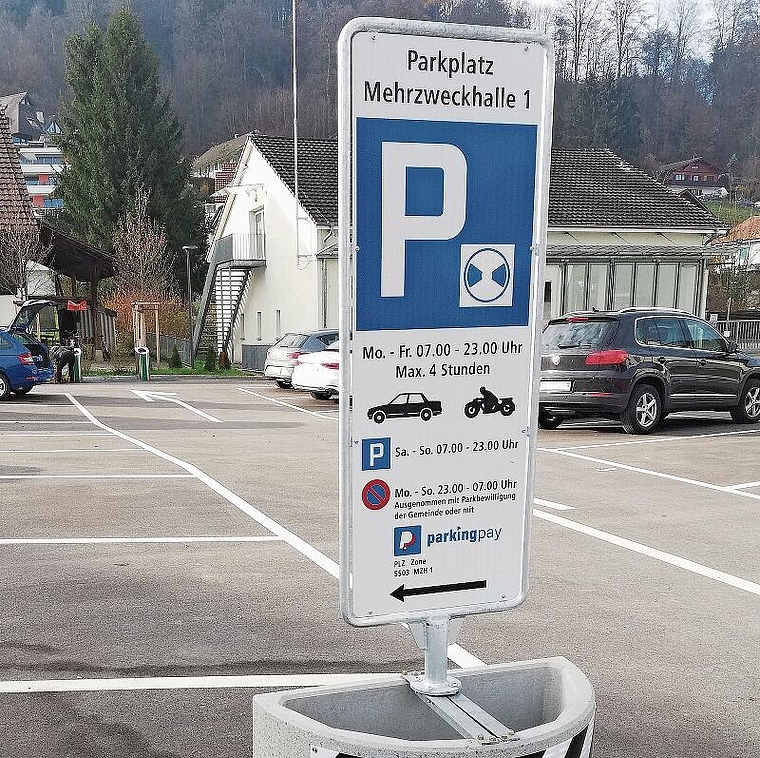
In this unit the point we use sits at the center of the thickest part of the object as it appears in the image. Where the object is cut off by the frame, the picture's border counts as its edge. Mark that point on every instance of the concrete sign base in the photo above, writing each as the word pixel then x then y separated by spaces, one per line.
pixel 548 706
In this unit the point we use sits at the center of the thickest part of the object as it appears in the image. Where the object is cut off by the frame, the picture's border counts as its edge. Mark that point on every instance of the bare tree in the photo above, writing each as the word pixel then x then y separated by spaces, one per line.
pixel 626 20
pixel 684 16
pixel 581 16
pixel 141 254
pixel 20 248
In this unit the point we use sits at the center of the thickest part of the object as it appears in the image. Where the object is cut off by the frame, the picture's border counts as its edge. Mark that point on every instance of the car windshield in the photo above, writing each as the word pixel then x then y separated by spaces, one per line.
pixel 563 335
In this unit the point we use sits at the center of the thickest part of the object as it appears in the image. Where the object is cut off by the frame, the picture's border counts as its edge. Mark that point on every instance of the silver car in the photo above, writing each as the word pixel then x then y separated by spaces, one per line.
pixel 282 356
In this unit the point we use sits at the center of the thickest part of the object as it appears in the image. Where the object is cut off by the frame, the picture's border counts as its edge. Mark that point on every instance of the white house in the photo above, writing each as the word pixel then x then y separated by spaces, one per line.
pixel 616 238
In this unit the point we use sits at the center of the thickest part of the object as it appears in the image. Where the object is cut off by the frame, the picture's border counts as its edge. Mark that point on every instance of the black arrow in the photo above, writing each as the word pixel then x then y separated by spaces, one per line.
pixel 401 592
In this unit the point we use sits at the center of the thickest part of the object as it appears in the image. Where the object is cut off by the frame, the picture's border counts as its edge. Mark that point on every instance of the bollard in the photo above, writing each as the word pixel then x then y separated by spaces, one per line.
pixel 77 377
pixel 142 355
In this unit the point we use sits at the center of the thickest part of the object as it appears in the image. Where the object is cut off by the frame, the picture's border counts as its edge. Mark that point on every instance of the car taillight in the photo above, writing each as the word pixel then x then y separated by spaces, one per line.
pixel 334 366
pixel 294 354
pixel 607 358
pixel 576 319
pixel 26 358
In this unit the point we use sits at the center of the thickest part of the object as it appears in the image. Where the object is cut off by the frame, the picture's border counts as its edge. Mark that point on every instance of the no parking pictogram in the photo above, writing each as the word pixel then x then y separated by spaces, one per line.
pixel 376 494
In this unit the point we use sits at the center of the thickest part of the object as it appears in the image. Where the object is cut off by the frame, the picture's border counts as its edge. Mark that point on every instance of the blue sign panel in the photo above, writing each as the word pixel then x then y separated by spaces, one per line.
pixel 444 216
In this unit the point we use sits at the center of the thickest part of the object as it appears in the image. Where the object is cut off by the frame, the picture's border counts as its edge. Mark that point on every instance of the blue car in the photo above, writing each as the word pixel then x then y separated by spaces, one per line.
pixel 24 362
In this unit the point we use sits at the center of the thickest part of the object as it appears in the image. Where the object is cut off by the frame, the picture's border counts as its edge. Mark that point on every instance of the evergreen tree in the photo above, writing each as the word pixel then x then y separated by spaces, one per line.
pixel 120 134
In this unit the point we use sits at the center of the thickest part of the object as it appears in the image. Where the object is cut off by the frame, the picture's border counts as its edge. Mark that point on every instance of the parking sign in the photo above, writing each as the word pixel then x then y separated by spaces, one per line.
pixel 444 155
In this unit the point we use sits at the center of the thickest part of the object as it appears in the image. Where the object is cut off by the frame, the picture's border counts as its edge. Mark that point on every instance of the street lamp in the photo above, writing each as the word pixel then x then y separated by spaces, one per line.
pixel 187 249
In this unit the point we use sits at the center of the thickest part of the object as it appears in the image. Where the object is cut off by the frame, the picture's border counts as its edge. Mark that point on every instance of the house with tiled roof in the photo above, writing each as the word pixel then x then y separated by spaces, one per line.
pixel 742 242
pixel 702 178
pixel 616 238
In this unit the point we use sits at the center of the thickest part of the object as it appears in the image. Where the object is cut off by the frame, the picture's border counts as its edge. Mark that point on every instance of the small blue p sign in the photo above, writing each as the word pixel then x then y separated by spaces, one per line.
pixel 376 454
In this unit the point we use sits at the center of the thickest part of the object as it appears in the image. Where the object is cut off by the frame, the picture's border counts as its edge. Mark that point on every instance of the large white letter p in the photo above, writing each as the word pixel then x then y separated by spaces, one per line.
pixel 397 227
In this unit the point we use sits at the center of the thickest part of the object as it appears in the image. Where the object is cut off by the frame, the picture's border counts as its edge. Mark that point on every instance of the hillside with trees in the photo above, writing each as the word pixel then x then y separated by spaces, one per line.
pixel 653 86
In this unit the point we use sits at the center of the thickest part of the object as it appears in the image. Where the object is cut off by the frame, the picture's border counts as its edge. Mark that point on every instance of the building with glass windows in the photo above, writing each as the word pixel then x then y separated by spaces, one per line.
pixel 618 238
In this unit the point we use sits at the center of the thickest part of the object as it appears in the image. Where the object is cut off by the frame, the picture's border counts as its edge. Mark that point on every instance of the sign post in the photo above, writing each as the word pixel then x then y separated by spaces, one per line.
pixel 444 159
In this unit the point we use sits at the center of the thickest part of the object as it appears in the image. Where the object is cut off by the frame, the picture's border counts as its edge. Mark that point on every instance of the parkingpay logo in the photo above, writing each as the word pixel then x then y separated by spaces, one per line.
pixel 463 535
pixel 407 540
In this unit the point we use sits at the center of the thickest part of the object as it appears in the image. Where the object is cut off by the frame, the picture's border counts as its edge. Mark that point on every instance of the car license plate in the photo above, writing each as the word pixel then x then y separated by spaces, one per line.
pixel 552 385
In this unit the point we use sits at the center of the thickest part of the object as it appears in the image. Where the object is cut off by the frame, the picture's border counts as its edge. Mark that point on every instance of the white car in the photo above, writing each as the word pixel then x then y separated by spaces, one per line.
pixel 318 373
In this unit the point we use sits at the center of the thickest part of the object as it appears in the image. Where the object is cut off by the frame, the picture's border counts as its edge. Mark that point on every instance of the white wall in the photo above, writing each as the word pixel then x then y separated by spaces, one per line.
pixel 293 287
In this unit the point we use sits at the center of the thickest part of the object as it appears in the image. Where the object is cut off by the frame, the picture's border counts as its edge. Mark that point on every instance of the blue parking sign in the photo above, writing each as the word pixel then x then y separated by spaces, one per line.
pixel 444 223
pixel 376 454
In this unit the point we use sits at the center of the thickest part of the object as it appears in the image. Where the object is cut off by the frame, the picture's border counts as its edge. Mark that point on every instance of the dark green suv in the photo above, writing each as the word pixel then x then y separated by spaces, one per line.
pixel 639 364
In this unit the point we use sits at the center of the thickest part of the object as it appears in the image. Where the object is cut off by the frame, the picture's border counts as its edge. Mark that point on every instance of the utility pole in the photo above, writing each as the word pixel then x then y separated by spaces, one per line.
pixel 188 249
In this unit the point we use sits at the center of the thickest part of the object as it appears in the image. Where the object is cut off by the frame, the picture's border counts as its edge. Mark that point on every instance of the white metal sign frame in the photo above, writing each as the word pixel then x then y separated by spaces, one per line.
pixel 457 60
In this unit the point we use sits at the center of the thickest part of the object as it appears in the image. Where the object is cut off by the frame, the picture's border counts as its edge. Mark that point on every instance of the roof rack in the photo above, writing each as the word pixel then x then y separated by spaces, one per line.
pixel 659 308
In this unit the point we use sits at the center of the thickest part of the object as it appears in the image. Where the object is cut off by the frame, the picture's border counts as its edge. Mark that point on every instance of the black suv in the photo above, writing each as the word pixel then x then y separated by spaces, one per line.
pixel 638 365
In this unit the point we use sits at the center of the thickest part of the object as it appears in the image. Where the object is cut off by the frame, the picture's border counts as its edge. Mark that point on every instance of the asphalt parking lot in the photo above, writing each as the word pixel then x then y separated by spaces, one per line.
pixel 167 557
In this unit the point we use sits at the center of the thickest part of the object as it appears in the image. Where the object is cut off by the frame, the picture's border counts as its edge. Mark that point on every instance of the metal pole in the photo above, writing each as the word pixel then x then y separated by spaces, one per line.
pixel 433 634
pixel 187 249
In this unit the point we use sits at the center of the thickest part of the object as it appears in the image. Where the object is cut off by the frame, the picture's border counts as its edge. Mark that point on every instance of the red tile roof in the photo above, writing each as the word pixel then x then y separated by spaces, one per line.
pixel 15 204
pixel 746 231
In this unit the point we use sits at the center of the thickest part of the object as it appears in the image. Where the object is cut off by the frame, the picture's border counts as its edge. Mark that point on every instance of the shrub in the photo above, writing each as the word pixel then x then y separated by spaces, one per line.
pixel 175 361
pixel 210 364
pixel 224 360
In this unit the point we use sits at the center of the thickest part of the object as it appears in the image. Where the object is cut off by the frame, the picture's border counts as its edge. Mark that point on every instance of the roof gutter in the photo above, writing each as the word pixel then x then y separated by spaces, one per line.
pixel 639 229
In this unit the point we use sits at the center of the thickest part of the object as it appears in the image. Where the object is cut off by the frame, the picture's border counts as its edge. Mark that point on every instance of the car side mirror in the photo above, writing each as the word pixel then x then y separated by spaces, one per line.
pixel 732 346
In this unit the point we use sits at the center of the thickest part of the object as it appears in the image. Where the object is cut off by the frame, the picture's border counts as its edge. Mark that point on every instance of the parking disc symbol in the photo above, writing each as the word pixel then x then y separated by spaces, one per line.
pixel 486 275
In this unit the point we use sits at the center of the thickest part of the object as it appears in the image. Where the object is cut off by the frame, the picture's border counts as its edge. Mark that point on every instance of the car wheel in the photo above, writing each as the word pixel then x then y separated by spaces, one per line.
pixel 319 395
pixel 748 410
pixel 5 387
pixel 21 392
pixel 644 411
pixel 426 414
pixel 378 417
pixel 548 421
pixel 282 384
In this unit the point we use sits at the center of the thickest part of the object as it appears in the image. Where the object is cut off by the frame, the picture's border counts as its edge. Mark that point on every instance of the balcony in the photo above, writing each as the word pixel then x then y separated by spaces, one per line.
pixel 240 249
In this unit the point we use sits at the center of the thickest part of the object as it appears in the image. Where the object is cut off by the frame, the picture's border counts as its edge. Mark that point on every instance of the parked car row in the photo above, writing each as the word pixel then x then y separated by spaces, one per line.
pixel 308 361
pixel 635 365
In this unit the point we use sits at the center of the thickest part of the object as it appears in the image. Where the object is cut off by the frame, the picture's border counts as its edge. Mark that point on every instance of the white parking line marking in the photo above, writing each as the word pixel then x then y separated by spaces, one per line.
pixel 651 440
pixel 648 472
pixel 287 405
pixel 74 450
pixel 167 396
pixel 55 434
pixel 748 485
pixel 186 682
pixel 38 421
pixel 308 551
pixel 552 504
pixel 636 547
pixel 96 476
pixel 128 540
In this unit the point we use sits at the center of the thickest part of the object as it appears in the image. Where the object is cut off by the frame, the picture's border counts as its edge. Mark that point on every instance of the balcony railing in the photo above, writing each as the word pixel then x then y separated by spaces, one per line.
pixel 240 248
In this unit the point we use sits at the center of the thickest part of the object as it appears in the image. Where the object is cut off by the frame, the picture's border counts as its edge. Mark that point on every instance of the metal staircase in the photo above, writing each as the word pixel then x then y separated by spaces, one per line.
pixel 233 260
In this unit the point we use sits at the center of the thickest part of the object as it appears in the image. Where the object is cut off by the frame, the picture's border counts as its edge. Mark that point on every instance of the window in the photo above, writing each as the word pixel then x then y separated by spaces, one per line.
pixel 644 290
pixel 704 337
pixel 277 322
pixel 258 325
pixel 687 287
pixel 622 295
pixel 5 344
pixel 662 330
pixel 666 285
pixel 258 252
pixel 575 287
pixel 695 177
pixel 679 177
pixel 597 286
pixel 399 400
